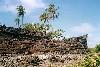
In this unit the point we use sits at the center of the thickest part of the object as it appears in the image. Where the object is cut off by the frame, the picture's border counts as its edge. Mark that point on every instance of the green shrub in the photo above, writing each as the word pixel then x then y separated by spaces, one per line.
pixel 97 48
pixel 91 60
pixel 91 50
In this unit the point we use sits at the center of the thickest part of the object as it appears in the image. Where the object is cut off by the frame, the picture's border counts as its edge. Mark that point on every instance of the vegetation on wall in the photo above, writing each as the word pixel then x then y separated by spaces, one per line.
pixel 44 25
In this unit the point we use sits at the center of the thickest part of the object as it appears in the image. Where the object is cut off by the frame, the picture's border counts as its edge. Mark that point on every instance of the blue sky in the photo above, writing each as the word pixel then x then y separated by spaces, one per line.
pixel 77 17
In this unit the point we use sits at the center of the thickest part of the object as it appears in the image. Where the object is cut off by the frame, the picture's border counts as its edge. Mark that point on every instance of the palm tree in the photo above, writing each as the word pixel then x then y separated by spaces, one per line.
pixel 17 20
pixel 21 12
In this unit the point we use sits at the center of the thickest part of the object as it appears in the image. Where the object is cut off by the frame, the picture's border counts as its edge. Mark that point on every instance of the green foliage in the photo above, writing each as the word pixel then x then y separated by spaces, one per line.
pixel 88 62
pixel 91 50
pixel 55 34
pixel 21 10
pixel 37 27
pixel 49 14
pixel 44 28
pixel 97 48
pixel 28 26
pixel 91 60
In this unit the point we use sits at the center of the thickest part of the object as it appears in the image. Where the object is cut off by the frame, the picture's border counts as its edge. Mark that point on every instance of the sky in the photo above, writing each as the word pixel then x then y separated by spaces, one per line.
pixel 77 17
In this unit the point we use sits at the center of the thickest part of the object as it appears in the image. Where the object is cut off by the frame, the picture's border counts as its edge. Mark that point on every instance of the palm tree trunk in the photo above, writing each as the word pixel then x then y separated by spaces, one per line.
pixel 22 19
pixel 18 24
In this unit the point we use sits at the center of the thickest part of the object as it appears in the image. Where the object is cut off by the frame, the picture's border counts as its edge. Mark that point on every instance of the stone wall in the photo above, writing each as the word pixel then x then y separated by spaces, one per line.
pixel 14 41
pixel 71 45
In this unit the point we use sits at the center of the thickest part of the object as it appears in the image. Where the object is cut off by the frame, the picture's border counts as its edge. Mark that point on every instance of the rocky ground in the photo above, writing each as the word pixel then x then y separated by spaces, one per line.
pixel 40 60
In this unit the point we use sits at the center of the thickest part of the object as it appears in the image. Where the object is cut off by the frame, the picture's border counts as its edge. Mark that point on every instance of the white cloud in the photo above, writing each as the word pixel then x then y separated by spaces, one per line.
pixel 32 4
pixel 28 4
pixel 93 39
pixel 83 28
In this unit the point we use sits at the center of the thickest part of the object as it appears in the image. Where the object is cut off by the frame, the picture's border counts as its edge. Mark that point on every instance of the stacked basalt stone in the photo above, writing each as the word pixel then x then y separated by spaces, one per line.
pixel 17 40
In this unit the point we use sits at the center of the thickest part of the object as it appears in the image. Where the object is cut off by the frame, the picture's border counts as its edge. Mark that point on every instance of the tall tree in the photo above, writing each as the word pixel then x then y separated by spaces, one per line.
pixel 21 12
pixel 49 14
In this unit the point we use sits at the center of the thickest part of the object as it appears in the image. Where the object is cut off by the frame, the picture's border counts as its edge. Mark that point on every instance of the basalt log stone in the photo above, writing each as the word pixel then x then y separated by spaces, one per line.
pixel 18 41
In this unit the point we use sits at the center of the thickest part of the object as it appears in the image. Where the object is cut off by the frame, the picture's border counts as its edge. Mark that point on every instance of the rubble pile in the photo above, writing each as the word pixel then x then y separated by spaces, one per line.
pixel 38 60
pixel 19 61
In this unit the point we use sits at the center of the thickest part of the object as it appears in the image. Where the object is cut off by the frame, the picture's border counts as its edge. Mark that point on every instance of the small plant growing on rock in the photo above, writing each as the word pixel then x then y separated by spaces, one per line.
pixel 36 61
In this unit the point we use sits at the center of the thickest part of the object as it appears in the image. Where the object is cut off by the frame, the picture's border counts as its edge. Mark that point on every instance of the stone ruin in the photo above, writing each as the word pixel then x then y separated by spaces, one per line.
pixel 19 41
